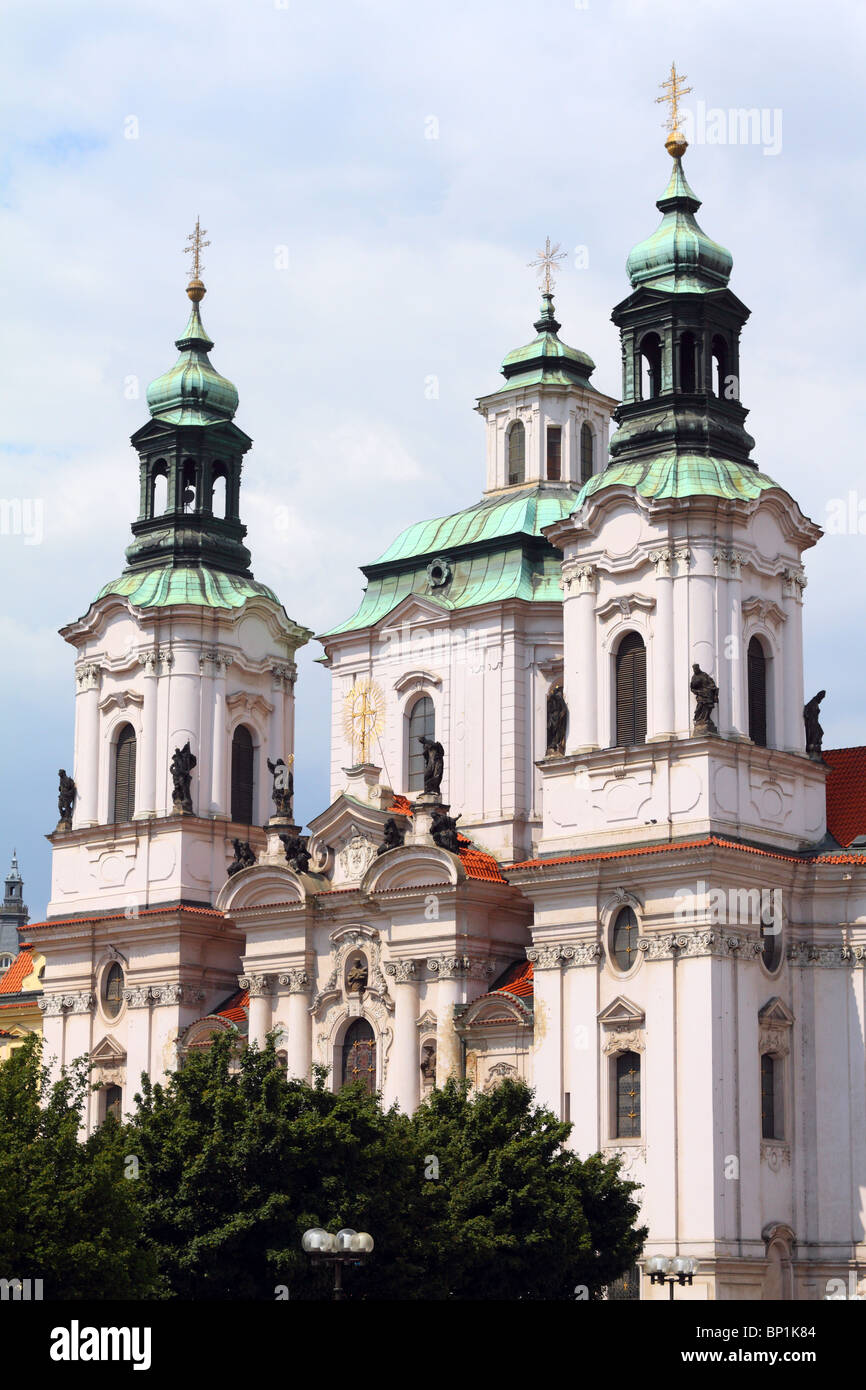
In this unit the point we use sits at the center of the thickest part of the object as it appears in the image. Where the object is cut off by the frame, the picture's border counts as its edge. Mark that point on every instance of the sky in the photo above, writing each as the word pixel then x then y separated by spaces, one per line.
pixel 374 179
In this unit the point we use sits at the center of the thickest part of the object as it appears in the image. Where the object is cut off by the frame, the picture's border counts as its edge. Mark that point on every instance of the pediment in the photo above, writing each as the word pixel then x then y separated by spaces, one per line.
pixel 342 829
pixel 417 679
pixel 413 866
pixel 622 1013
pixel 108 1050
pixel 419 608
pixel 262 885
pixel 774 1011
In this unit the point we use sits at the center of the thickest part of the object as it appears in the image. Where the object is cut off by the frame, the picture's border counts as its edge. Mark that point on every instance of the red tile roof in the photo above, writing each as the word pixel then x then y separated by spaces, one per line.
pixel 235 1008
pixel 17 973
pixel 402 805
pixel 517 979
pixel 477 864
pixel 846 793
pixel 119 916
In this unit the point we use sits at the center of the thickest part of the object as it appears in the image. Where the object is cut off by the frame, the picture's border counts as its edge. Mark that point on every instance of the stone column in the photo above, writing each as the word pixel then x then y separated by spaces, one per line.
pixel 449 972
pixel 788 702
pixel 300 1025
pixel 547 1058
pixel 663 654
pixel 259 987
pixel 185 716
pixel 146 754
pixel 165 660
pixel 580 642
pixel 403 1083
pixel 702 617
pixel 138 1029
pixel 86 810
pixel 219 795
pixel 739 710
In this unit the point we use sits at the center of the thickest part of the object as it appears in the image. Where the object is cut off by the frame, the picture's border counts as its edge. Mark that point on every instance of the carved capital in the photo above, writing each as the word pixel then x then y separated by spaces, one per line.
pixel 87 676
pixel 579 578
pixel 258 985
pixel 664 563
pixel 550 957
pixel 794 582
pixel 284 673
pixel 296 981
pixel 448 967
pixel 51 1005
pixel 176 994
pixel 403 972
pixel 138 998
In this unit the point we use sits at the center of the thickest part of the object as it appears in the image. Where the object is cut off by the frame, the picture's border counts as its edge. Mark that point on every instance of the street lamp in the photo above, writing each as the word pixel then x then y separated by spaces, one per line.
pixel 346 1247
pixel 680 1270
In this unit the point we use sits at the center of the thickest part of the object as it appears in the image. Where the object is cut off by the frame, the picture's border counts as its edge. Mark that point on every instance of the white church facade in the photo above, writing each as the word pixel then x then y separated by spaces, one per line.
pixel 607 871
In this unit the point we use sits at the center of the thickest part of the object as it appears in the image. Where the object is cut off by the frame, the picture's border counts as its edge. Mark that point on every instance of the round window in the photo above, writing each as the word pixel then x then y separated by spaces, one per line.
pixel 112 990
pixel 771 945
pixel 438 573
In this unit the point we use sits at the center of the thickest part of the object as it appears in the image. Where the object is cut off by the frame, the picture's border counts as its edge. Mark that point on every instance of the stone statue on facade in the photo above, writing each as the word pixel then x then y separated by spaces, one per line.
pixel 428 1063
pixel 557 720
pixel 65 799
pixel 443 828
pixel 814 732
pixel 394 837
pixel 434 764
pixel 284 787
pixel 182 763
pixel 706 694
pixel 244 857
pixel 297 855
pixel 356 980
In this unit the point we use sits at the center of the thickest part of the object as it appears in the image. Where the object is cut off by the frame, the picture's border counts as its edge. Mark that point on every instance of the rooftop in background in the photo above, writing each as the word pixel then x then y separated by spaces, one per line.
pixel 846 795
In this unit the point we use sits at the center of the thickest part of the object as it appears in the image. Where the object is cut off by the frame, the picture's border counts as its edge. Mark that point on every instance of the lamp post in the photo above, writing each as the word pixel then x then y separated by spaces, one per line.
pixel 662 1270
pixel 346 1247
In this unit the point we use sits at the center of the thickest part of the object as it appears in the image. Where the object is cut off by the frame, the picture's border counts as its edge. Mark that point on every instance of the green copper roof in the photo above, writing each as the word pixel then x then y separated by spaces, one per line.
pixel 679 255
pixel 168 585
pixel 681 475
pixel 546 359
pixel 486 547
pixel 192 392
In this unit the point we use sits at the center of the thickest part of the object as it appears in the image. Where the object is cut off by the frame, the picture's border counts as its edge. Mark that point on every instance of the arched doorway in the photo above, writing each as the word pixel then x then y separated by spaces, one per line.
pixel 359 1055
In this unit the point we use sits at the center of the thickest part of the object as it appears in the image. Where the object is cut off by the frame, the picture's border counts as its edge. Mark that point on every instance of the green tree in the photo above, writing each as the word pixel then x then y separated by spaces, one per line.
pixel 68 1214
pixel 237 1162
pixel 511 1213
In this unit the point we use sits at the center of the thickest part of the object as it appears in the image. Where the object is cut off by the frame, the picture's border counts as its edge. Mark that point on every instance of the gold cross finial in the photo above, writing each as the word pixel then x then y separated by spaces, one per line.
pixel 194 249
pixel 546 264
pixel 672 93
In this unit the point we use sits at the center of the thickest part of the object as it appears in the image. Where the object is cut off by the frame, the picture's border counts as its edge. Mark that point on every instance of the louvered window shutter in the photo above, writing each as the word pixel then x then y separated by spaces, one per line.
pixel 757 675
pixel 630 691
pixel 242 776
pixel 124 775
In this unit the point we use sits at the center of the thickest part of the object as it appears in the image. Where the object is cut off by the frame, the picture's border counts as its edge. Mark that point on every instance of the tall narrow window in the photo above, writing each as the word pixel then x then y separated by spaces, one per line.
pixel 124 774
pixel 422 724
pixel 720 369
pixel 359 1055
pixel 630 691
pixel 687 362
pixel 219 491
pixel 651 366
pixel 554 453
pixel 627 1095
pixel 586 452
pixel 757 678
pixel 159 488
pixel 189 480
pixel 516 453
pixel 624 938
pixel 771 1100
pixel 112 991
pixel 242 776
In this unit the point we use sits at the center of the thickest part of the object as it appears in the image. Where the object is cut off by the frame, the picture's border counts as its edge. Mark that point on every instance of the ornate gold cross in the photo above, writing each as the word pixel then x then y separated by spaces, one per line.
pixel 196 242
pixel 546 263
pixel 673 92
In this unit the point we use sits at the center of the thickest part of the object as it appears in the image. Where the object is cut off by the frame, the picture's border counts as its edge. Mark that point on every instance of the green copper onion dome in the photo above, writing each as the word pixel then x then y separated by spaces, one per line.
pixel 546 359
pixel 193 392
pixel 679 255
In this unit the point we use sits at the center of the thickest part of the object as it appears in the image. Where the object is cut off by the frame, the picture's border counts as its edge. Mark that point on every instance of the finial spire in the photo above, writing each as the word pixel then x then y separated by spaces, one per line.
pixel 195 289
pixel 676 143
pixel 545 264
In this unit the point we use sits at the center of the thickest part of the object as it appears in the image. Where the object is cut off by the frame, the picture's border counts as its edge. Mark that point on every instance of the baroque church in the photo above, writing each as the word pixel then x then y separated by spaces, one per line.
pixel 580 831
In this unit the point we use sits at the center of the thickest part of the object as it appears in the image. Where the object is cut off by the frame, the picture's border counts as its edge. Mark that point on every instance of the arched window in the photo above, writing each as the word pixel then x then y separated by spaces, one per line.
pixel 242 776
pixel 688 350
pixel 720 366
pixel 627 1095
pixel 623 938
pixel 516 453
pixel 586 452
pixel 651 366
pixel 757 677
pixel 5 962
pixel 188 485
pixel 771 1097
pixel 359 1055
pixel 422 724
pixel 630 691
pixel 159 488
pixel 112 990
pixel 124 774
pixel 114 1103
pixel 554 453
pixel 219 491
